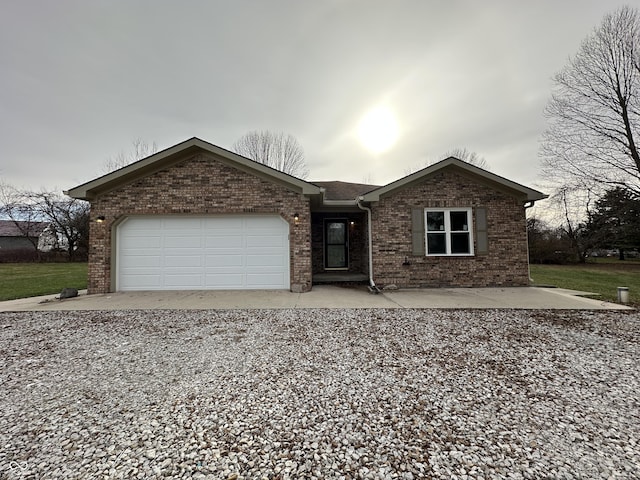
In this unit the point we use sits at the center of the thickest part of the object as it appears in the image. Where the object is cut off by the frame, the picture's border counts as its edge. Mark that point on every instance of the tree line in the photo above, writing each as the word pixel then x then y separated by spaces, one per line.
pixel 611 228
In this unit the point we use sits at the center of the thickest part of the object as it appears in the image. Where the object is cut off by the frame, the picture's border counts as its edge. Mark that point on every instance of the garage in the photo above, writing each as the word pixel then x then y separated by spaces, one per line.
pixel 174 252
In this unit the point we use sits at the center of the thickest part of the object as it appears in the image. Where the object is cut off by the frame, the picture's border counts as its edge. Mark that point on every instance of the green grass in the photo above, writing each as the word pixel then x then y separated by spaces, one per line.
pixel 602 278
pixel 21 280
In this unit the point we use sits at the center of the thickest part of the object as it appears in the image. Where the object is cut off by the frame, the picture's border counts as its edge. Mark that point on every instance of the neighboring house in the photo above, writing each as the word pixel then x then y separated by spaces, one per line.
pixel 20 235
pixel 196 216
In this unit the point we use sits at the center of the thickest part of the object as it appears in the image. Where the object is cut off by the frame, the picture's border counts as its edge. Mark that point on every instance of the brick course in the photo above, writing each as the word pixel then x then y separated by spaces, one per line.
pixel 506 263
pixel 199 185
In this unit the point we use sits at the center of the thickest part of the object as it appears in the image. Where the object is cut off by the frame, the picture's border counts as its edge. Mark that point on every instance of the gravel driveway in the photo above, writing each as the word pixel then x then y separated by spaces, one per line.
pixel 277 394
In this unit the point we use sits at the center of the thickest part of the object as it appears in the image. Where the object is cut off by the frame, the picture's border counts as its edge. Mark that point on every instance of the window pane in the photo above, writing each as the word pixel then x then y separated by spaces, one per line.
pixel 336 232
pixel 336 256
pixel 459 222
pixel 436 243
pixel 460 243
pixel 435 221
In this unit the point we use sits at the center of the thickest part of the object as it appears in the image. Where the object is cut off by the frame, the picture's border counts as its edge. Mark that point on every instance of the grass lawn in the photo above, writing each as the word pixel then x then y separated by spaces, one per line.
pixel 602 277
pixel 21 280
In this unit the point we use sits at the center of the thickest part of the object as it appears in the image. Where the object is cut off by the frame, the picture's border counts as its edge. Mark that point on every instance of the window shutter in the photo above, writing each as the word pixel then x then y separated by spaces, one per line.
pixel 482 238
pixel 417 231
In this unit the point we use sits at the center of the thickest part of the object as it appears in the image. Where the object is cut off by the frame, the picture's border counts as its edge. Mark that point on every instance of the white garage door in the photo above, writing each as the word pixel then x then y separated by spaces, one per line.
pixel 202 253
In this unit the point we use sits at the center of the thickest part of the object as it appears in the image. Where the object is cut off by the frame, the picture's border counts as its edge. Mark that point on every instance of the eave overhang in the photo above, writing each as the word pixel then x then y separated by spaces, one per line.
pixel 525 194
pixel 178 153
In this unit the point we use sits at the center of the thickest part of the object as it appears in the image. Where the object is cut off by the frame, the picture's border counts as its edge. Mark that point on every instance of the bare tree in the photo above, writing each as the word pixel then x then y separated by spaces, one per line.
pixel 468 156
pixel 460 153
pixel 276 150
pixel 141 149
pixel 574 207
pixel 594 112
pixel 67 217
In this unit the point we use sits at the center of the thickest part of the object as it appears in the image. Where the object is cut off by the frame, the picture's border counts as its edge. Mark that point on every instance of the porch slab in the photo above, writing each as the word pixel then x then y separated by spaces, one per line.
pixel 339 277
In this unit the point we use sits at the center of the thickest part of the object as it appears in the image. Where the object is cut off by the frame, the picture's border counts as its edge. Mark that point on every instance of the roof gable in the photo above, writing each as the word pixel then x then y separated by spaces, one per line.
pixel 177 153
pixel 485 176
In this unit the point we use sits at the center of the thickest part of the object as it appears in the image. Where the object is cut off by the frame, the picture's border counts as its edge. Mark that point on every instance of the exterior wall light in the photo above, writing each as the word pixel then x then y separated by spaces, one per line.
pixel 100 219
pixel 296 218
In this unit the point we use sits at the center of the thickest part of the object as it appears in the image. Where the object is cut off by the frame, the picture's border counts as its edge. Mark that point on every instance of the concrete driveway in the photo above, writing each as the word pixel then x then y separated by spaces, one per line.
pixel 322 296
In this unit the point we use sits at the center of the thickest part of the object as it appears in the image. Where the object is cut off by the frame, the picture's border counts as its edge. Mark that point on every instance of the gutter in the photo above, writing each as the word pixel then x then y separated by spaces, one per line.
pixel 372 285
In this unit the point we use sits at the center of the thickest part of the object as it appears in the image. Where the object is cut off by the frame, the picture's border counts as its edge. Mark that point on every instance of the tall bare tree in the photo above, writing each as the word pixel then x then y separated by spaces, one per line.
pixel 274 149
pixel 468 156
pixel 594 112
pixel 141 149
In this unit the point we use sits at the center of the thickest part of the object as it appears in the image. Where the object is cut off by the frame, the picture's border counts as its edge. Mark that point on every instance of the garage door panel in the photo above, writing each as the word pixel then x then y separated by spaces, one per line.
pixel 173 252
pixel 185 281
pixel 140 242
pixel 181 223
pixel 264 260
pixel 265 252
pixel 223 241
pixel 133 261
pixel 224 260
pixel 218 223
pixel 144 223
pixel 223 252
pixel 182 261
pixel 266 241
pixel 263 280
pixel 140 282
pixel 183 241
pixel 225 281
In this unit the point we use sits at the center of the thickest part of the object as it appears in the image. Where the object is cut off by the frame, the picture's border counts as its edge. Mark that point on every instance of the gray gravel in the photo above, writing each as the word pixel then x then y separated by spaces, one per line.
pixel 284 394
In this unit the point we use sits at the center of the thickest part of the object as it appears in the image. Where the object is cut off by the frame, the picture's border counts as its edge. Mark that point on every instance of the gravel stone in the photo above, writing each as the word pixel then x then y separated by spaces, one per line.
pixel 320 394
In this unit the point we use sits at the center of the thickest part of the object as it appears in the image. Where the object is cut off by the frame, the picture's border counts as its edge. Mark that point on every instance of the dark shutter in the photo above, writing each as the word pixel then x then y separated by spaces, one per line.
pixel 417 231
pixel 482 238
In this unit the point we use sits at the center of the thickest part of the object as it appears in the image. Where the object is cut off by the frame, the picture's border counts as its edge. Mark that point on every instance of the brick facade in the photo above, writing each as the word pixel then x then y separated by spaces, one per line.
pixel 505 264
pixel 199 185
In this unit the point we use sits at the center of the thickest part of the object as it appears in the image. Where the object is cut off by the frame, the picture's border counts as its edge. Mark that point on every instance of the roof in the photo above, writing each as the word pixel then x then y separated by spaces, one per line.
pixel 334 192
pixel 9 228
pixel 344 190
pixel 525 193
pixel 178 153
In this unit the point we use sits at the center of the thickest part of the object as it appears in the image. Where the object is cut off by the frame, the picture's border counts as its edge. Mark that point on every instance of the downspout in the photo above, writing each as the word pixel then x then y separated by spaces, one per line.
pixel 372 285
pixel 528 205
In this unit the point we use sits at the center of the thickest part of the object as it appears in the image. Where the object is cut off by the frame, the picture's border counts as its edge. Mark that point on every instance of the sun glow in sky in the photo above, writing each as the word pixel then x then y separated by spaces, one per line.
pixel 422 62
pixel 378 129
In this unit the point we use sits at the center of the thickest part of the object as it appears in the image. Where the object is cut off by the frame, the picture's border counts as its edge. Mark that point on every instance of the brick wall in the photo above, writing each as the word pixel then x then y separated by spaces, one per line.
pixel 506 263
pixel 199 185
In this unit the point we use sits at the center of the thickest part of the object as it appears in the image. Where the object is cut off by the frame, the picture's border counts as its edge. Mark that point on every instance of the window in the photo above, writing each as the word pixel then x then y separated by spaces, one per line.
pixel 448 231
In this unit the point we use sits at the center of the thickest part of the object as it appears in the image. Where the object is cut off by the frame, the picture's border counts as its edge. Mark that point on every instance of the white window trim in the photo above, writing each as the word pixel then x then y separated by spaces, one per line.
pixel 448 232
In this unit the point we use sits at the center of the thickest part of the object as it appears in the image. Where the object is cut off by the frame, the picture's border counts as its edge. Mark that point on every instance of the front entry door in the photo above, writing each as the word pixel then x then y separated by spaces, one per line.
pixel 336 241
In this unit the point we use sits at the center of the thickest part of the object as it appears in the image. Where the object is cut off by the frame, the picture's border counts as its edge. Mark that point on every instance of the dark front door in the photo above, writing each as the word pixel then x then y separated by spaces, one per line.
pixel 336 244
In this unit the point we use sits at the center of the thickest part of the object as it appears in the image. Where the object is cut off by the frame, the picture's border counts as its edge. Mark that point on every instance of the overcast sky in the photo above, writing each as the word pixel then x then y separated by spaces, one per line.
pixel 82 79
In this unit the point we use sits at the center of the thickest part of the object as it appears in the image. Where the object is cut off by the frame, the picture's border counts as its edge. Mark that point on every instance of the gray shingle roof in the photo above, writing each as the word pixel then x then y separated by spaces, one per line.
pixel 344 190
pixel 8 228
